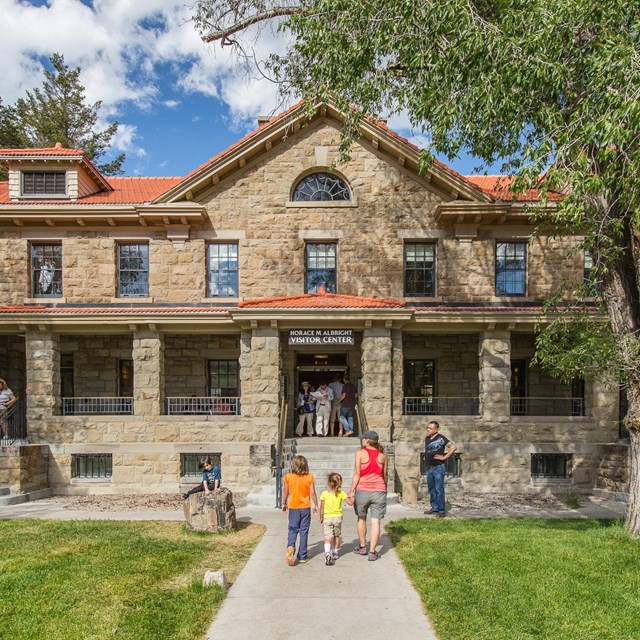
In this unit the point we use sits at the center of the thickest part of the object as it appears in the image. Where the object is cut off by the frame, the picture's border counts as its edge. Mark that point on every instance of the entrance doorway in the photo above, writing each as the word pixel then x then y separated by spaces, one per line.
pixel 318 368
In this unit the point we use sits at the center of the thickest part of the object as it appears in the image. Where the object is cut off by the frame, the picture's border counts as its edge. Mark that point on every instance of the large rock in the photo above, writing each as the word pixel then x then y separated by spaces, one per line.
pixel 212 513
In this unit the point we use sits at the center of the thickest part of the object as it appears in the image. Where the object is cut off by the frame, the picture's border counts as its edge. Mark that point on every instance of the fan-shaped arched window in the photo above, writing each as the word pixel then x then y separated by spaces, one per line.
pixel 321 187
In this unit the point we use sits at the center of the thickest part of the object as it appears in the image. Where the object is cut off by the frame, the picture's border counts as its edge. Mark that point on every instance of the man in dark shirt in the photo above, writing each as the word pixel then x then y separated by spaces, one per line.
pixel 348 401
pixel 437 448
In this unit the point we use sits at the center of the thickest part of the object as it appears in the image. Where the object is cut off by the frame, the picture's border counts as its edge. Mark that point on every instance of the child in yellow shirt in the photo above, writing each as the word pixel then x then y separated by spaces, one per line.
pixel 331 515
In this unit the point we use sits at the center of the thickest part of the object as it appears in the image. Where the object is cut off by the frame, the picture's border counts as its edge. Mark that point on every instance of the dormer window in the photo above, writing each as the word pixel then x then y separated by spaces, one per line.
pixel 44 183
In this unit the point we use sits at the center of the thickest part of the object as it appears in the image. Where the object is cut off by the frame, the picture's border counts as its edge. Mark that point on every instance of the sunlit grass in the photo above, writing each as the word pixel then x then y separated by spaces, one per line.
pixel 84 579
pixel 524 579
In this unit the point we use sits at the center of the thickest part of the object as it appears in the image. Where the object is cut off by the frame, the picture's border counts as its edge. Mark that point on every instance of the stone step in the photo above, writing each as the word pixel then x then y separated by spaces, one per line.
pixel 19 498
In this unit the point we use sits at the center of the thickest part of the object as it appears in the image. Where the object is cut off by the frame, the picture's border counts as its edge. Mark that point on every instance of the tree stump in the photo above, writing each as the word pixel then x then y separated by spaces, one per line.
pixel 213 513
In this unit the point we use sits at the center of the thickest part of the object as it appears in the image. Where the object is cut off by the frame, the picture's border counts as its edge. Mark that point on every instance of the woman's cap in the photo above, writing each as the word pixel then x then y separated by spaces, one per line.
pixel 370 435
pixel 304 384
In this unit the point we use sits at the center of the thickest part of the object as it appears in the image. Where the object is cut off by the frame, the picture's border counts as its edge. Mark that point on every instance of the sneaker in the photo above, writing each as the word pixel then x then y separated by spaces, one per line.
pixel 290 558
pixel 302 560
pixel 336 554
pixel 430 512
pixel 329 560
pixel 373 556
pixel 348 433
pixel 440 514
pixel 361 551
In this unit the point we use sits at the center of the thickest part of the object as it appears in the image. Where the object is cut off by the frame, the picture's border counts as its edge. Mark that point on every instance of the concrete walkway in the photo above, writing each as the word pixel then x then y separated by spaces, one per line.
pixel 354 598
pixel 272 601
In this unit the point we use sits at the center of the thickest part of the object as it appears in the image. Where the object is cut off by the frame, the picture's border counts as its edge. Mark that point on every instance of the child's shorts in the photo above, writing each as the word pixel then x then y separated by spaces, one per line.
pixel 374 500
pixel 332 527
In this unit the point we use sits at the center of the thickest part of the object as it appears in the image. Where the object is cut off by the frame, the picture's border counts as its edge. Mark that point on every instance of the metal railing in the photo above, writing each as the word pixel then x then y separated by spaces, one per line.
pixel 97 406
pixel 278 462
pixel 13 424
pixel 574 407
pixel 461 406
pixel 208 405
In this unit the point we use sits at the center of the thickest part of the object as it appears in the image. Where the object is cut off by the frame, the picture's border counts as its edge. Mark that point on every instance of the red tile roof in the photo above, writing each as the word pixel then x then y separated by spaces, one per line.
pixel 125 191
pixel 46 152
pixel 499 188
pixel 321 301
pixel 17 309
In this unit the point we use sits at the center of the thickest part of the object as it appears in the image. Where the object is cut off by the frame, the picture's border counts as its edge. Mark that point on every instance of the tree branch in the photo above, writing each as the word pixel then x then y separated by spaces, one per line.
pixel 224 34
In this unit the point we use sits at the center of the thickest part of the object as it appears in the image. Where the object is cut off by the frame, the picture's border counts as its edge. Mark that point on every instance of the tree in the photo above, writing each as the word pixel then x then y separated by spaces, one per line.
pixel 58 112
pixel 551 87
pixel 10 134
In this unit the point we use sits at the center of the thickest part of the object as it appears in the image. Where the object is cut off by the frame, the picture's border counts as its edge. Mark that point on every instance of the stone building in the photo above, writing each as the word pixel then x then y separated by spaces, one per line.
pixel 146 321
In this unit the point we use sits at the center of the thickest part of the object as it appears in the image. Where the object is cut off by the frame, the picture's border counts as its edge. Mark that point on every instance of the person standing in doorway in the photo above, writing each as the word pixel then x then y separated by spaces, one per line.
pixel 306 409
pixel 348 401
pixel 437 449
pixel 323 397
pixel 336 387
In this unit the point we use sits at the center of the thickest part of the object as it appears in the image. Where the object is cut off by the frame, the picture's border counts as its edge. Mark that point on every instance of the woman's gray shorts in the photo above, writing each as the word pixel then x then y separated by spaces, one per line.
pixel 376 500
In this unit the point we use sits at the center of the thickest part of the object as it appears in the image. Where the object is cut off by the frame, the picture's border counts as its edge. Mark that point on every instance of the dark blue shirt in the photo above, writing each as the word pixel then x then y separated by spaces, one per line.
pixel 212 475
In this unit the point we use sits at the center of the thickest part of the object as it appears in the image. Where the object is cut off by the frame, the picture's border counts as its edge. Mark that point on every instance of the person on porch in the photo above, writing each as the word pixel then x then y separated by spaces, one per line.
pixel 348 401
pixel 323 397
pixel 306 408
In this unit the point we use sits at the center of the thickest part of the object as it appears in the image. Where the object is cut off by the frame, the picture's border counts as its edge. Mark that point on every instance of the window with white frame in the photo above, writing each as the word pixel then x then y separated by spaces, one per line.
pixel 419 269
pixel 46 270
pixel 320 266
pixel 133 270
pixel 511 268
pixel 222 270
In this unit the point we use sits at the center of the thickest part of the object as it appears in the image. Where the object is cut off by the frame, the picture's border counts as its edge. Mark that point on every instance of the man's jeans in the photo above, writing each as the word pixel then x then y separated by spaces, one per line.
pixel 346 417
pixel 435 483
pixel 299 523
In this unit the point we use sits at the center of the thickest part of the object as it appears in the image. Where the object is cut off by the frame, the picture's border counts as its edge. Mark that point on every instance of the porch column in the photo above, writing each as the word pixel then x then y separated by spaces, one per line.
pixel 495 375
pixel 43 377
pixel 148 373
pixel 397 372
pixel 377 380
pixel 260 379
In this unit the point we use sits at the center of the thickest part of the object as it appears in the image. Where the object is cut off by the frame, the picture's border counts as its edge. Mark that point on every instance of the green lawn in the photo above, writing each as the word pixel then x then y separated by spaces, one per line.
pixel 82 579
pixel 523 579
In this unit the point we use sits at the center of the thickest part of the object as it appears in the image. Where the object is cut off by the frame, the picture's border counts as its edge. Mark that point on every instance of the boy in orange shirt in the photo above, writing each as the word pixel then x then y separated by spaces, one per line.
pixel 300 490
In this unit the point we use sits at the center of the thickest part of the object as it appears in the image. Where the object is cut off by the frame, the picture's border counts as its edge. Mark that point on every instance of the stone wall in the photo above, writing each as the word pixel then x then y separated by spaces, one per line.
pixel 496 455
pixel 96 362
pixel 456 359
pixel 186 361
pixel 24 468
pixel 613 471
pixel 390 206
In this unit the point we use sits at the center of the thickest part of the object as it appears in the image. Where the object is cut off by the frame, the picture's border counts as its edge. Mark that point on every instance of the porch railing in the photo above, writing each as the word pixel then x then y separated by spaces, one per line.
pixel 574 407
pixel 203 406
pixel 453 406
pixel 97 406
pixel 13 424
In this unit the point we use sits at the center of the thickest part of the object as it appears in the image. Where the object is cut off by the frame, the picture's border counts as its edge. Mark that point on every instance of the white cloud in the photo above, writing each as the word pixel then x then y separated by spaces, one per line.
pixel 124 141
pixel 120 45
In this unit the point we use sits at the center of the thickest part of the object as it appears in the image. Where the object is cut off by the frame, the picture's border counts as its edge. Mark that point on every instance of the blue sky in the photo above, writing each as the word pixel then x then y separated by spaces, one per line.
pixel 179 101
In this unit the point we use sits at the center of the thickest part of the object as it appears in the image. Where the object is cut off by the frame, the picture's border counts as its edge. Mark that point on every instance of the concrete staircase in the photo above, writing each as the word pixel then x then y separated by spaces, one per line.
pixel 325 455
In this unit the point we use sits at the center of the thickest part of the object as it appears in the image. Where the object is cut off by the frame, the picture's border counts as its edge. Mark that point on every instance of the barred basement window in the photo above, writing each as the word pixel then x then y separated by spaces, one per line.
pixel 92 465
pixel 551 465
pixel 189 464
pixel 44 183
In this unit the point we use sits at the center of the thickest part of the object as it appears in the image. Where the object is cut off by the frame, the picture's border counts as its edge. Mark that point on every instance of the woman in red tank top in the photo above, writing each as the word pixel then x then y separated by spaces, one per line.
pixel 369 487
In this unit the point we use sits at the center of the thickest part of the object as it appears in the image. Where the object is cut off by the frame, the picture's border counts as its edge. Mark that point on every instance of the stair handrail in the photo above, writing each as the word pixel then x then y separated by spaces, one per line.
pixel 279 454
pixel 361 418
pixel 13 425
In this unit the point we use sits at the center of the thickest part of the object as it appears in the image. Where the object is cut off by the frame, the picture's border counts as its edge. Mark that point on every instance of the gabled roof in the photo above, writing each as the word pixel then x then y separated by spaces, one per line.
pixel 321 300
pixel 499 188
pixel 57 152
pixel 280 127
